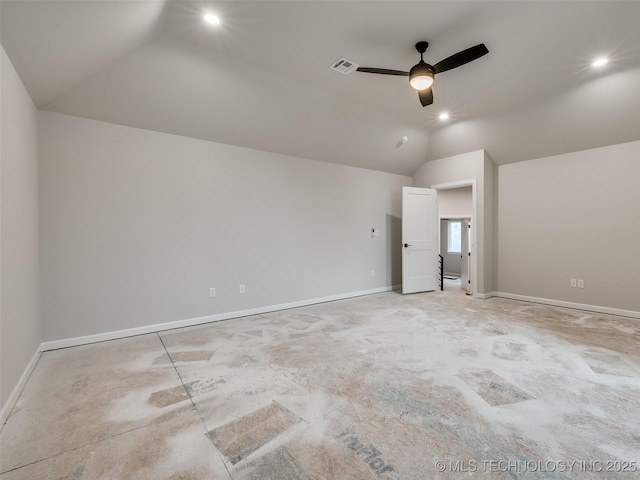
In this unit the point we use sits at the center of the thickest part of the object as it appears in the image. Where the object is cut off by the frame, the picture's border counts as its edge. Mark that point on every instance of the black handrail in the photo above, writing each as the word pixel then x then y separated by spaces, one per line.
pixel 441 272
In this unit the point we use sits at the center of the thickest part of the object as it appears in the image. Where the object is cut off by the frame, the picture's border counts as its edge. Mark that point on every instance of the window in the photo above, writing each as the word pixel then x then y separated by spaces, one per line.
pixel 454 236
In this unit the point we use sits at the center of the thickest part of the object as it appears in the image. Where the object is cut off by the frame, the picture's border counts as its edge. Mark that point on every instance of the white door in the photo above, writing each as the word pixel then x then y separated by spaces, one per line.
pixel 419 240
pixel 465 260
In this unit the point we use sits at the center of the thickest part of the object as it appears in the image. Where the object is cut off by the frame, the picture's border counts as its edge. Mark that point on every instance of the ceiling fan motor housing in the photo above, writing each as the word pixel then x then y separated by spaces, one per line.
pixel 421 74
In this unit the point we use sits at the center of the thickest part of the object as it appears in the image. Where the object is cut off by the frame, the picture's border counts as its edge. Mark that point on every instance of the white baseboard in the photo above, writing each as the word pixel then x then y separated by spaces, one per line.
pixel 576 306
pixel 484 296
pixel 159 327
pixel 101 337
pixel 17 390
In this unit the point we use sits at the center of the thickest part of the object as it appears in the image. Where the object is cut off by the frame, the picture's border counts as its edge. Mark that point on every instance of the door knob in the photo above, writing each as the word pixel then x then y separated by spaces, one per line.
pixel 407 245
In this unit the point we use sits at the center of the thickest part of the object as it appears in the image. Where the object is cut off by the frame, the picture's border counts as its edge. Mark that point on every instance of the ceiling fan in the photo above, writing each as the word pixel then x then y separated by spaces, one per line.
pixel 421 74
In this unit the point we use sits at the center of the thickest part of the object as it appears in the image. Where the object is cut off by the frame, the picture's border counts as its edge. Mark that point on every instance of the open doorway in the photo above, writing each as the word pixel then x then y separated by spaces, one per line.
pixel 457 211
pixel 455 249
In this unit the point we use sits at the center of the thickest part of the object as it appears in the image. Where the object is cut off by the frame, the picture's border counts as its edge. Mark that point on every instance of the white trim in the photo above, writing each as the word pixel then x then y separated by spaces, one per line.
pixel 17 390
pixel 458 184
pixel 484 296
pixel 576 306
pixel 159 327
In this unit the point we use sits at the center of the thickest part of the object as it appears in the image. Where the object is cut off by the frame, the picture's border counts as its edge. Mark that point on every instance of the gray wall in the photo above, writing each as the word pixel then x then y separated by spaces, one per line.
pixel 455 202
pixel 137 225
pixel 469 166
pixel 19 277
pixel 487 229
pixel 572 216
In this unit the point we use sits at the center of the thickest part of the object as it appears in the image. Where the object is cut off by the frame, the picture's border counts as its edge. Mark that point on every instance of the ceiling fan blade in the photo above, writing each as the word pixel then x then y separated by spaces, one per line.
pixel 383 71
pixel 426 96
pixel 460 58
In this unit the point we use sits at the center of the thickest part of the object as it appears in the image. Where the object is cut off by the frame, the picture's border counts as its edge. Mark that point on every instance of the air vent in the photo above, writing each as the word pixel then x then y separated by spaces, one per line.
pixel 344 66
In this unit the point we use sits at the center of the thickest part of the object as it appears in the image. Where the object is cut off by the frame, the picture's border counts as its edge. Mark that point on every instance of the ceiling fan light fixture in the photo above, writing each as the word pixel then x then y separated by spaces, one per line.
pixel 421 76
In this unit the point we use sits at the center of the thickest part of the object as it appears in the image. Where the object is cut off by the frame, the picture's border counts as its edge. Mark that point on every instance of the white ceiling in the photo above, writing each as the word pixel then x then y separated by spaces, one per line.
pixel 262 79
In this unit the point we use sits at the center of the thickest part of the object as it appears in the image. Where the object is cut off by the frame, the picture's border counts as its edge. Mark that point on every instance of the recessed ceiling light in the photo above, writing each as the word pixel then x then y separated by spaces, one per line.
pixel 211 19
pixel 443 116
pixel 599 62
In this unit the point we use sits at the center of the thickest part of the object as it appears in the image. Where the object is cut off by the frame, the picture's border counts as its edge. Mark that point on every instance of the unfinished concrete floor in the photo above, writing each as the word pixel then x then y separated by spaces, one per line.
pixel 425 386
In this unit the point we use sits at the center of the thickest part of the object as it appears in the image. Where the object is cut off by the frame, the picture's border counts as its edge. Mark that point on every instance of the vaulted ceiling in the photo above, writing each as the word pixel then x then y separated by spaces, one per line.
pixel 262 79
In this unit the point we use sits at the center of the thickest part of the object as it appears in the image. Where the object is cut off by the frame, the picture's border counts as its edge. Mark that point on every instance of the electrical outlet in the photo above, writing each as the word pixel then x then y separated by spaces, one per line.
pixel 212 292
pixel 580 283
pixel 574 284
pixel 373 273
pixel 241 288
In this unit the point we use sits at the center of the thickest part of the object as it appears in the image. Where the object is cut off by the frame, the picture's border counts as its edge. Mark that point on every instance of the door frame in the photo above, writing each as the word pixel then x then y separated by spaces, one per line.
pixel 474 222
